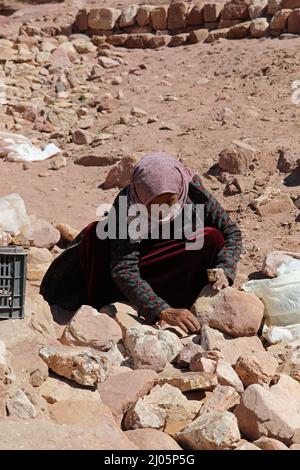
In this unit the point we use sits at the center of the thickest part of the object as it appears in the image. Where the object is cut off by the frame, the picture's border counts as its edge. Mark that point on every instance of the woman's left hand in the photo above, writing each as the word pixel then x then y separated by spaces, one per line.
pixel 221 282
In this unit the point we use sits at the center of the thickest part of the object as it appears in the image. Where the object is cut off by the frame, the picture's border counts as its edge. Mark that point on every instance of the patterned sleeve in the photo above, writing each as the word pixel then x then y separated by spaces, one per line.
pixel 126 274
pixel 216 216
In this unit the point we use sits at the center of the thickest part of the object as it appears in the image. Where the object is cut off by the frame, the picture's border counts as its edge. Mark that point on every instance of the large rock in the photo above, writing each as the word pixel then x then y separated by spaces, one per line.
pixel 236 10
pixel 159 18
pixel 230 349
pixel 195 17
pixel 128 16
pixel 279 21
pixel 43 234
pixel 259 28
pixel 47 435
pixel 120 392
pixel 162 407
pixel 294 21
pixel 38 261
pixel 274 6
pixel 67 232
pixel 272 261
pixel 90 328
pixel 83 365
pixel 264 412
pixel 82 412
pixel 238 157
pixel 152 439
pixel 151 348
pixel 211 12
pixel 19 406
pixel 105 20
pixel 198 35
pixel 119 175
pixel 222 398
pixel 232 311
pixel 257 8
pixel 267 443
pixel 40 317
pixel 259 368
pixel 55 389
pixel 187 381
pixel 143 17
pixel 177 18
pixel 213 431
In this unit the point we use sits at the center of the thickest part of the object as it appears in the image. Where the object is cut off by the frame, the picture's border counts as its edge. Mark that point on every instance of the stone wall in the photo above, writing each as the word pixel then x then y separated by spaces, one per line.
pixel 180 23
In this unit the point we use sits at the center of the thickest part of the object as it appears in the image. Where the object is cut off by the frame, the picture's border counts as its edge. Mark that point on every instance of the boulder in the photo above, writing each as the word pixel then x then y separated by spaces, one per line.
pixel 265 412
pixel 257 8
pixel 232 311
pixel 278 22
pixel 294 21
pixel 211 12
pixel 38 262
pixel 217 34
pixel 259 368
pixel 43 234
pixel 88 327
pixel 81 20
pixel 119 175
pixel 267 443
pixel 120 392
pixel 213 431
pixel 238 157
pixel 177 17
pixel 159 18
pixel 236 10
pixel 55 389
pixel 152 439
pixel 128 16
pixel 162 407
pixel 292 4
pixel 83 365
pixel 259 28
pixel 195 16
pixel 143 16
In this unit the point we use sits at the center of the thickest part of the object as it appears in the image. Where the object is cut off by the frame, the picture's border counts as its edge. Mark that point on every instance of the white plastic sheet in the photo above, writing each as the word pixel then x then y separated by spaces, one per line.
pixel 13 214
pixel 18 148
pixel 281 297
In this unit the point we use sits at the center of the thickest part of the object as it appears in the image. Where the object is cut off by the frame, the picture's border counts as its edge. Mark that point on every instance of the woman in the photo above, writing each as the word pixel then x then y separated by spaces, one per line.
pixel 160 277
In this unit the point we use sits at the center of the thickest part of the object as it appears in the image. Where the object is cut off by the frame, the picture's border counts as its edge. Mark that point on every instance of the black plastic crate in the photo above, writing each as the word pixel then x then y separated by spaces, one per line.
pixel 12 282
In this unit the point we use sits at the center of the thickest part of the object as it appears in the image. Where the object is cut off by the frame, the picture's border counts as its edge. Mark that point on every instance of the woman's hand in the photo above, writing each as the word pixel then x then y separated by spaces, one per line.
pixel 181 317
pixel 221 282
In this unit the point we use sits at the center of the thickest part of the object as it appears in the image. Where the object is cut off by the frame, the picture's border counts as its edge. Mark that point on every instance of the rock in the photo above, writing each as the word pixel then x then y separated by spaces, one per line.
pixel 175 41
pixel 84 366
pixel 81 20
pixel 235 10
pixel 294 21
pixel 55 389
pixel 237 158
pixel 230 349
pixel 195 16
pixel 187 353
pixel 295 447
pixel 158 41
pixel 2 401
pixel 177 17
pixel 292 4
pixel 107 62
pixel 81 137
pixel 232 311
pixel 279 20
pixel 84 46
pixel 274 6
pixel 43 234
pixel 259 368
pixel 58 163
pixel 245 445
pixel 163 406
pixel 117 39
pixel 259 28
pixel 187 381
pixel 211 12
pixel 7 53
pixel 137 112
pixel 212 431
pixel 105 20
pixel 5 239
pixel 125 315
pixel 120 392
pixel 151 348
pixel 152 439
pixel 197 36
pixel 205 362
pixel 143 16
pixel 96 158
pixel 39 313
pixel 128 16
pixel 90 328
pixel 20 406
pixel 38 261
pixel 267 443
pixel 264 412
pixel 81 412
pixel 159 18
pixel 257 8
pixel 291 365
pixel 272 202
pixel 227 376
pixel 217 34
pixel 119 175
pixel 222 398
pixel 48 435
pixel 67 232
pixel 272 261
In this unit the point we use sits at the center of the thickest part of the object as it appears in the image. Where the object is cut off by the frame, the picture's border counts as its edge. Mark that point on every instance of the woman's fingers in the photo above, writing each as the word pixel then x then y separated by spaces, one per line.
pixel 183 327
pixel 194 320
pixel 190 325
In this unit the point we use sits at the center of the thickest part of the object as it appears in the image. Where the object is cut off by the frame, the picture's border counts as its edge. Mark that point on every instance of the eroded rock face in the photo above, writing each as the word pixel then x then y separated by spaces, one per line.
pixel 230 310
pixel 212 431
pixel 82 365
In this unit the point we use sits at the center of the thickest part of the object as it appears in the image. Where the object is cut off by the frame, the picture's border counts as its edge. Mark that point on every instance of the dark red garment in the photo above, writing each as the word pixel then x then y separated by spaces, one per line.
pixel 176 274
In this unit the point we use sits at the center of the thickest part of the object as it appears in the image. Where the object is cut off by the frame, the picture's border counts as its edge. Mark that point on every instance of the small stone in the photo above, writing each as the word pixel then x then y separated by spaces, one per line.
pixel 83 46
pixel 137 112
pixel 67 232
pixel 58 163
pixel 212 431
pixel 108 63
pixel 20 406
pixel 119 175
pixel 227 376
pixel 82 137
pixel 237 157
pixel 84 366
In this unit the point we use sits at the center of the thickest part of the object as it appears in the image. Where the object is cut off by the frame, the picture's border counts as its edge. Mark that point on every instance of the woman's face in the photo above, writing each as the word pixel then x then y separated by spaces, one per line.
pixel 168 199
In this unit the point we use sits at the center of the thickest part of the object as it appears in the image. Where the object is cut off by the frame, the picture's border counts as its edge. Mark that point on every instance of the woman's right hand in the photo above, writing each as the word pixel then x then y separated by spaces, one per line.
pixel 180 317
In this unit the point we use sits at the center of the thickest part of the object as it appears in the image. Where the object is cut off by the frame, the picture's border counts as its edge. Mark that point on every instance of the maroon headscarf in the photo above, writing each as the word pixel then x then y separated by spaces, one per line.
pixel 157 174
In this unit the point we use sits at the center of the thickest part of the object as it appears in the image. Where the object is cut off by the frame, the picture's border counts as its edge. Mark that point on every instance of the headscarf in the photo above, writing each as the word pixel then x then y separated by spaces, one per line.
pixel 157 174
